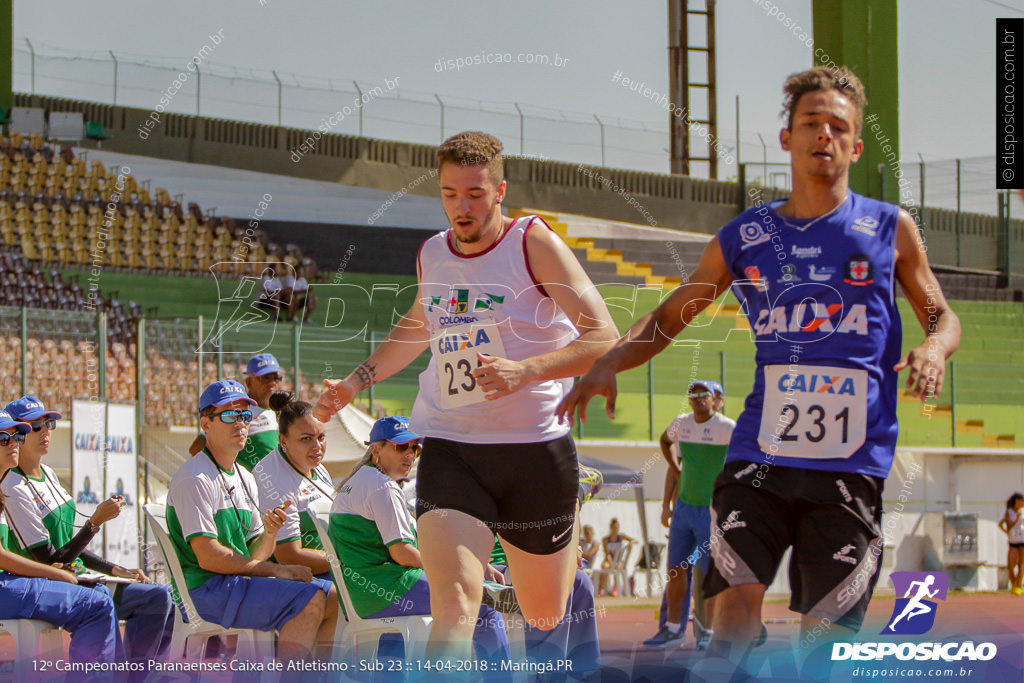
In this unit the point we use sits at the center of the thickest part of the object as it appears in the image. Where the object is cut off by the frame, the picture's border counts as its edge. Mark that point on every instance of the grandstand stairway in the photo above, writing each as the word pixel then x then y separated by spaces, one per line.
pixel 622 260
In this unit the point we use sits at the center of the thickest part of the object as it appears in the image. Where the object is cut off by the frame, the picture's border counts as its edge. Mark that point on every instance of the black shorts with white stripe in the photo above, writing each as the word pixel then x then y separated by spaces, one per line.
pixel 830 519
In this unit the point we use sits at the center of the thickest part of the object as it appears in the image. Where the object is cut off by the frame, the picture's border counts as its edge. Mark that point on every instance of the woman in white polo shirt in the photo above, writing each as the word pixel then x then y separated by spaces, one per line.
pixel 374 534
pixel 294 471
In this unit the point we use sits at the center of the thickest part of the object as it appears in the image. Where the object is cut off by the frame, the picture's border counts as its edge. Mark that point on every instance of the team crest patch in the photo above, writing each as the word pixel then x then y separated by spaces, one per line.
pixel 751 234
pixel 459 301
pixel 859 271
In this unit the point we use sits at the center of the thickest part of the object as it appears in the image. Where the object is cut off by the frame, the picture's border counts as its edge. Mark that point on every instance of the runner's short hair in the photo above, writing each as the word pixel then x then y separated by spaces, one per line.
pixel 472 148
pixel 839 78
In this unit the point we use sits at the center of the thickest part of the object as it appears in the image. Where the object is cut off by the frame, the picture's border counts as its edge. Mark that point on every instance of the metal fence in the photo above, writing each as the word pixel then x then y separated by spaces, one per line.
pixel 55 354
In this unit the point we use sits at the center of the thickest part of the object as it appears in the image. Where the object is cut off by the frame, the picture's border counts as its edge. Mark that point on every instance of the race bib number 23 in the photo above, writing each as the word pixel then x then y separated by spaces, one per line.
pixel 813 411
pixel 455 351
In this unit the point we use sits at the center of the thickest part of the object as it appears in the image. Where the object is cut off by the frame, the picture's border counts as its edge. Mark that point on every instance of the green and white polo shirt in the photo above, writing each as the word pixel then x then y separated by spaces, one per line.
pixel 368 515
pixel 702 451
pixel 39 511
pixel 206 500
pixel 278 481
pixel 263 437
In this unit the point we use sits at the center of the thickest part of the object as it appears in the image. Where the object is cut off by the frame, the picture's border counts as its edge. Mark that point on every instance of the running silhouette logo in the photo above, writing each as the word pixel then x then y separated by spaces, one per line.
pixel 914 613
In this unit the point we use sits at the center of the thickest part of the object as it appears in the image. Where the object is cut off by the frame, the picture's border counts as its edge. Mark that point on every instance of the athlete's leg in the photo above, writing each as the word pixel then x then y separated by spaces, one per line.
pixel 737 620
pixel 543 582
pixel 455 548
pixel 1012 567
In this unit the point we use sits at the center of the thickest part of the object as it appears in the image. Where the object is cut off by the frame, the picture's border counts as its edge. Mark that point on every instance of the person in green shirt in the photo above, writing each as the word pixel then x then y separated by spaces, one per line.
pixel 702 437
pixel 223 541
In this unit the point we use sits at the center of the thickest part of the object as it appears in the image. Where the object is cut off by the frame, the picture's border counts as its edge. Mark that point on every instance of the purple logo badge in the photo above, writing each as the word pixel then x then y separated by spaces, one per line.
pixel 914 613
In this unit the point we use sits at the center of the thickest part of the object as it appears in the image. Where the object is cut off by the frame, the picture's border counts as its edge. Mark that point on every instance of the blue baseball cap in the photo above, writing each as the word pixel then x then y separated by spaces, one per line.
pixel 700 383
pixel 6 422
pixel 30 408
pixel 223 392
pixel 395 429
pixel 261 364
pixel 716 388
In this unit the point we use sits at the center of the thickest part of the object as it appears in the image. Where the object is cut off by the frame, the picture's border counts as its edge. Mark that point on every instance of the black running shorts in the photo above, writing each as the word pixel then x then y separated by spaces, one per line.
pixel 831 519
pixel 523 492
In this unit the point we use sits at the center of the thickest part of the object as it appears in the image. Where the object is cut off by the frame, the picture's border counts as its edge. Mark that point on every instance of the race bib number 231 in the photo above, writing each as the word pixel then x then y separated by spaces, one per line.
pixel 813 411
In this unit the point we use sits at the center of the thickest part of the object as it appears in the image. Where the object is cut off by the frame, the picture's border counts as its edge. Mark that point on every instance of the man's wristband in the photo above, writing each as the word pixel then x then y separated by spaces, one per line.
pixel 92 526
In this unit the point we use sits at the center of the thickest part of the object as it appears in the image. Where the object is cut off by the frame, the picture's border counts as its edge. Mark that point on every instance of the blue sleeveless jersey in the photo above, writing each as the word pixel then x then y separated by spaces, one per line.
pixel 819 294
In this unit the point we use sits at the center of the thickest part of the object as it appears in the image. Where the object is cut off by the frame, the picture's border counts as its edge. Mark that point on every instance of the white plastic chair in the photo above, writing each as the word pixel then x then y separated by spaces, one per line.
pixel 414 629
pixel 34 640
pixel 190 638
pixel 617 571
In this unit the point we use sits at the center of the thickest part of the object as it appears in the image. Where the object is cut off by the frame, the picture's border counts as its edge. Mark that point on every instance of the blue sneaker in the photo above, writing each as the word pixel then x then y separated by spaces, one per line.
pixel 590 483
pixel 664 638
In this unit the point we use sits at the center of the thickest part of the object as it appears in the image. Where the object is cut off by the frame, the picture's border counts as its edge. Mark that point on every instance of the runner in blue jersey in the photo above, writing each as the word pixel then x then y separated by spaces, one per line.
pixel 816 276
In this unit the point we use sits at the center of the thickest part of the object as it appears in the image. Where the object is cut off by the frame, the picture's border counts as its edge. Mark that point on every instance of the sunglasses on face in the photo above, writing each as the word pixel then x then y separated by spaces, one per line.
pixel 271 377
pixel 5 438
pixel 700 394
pixel 38 426
pixel 229 417
pixel 403 447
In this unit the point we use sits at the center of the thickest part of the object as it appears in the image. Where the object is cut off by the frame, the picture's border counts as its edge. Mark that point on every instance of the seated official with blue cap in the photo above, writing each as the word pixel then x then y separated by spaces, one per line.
pixel 263 378
pixel 41 516
pixel 223 542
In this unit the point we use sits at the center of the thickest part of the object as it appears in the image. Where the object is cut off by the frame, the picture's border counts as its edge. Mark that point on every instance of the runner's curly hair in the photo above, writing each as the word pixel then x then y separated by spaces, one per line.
pixel 823 78
pixel 471 148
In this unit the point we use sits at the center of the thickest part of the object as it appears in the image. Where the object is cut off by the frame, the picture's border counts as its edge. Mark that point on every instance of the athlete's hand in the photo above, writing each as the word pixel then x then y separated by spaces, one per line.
pixel 339 394
pixel 492 574
pixel 294 572
pixel 600 381
pixel 927 365
pixel 500 376
pixel 106 510
pixel 666 516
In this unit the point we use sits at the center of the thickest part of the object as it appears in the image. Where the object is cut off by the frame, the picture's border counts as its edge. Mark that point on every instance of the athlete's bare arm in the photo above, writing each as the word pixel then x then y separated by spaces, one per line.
pixel 406 341
pixel 564 280
pixel 292 552
pixel 927 362
pixel 651 334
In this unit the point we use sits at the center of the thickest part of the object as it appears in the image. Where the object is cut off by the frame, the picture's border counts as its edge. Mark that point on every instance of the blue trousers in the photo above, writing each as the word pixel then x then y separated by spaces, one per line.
pixel 148 611
pixel 86 613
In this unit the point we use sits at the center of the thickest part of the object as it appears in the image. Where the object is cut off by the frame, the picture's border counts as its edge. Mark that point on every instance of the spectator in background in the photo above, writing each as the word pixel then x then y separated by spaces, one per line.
pixel 264 377
pixel 301 293
pixel 613 544
pixel 588 546
pixel 273 294
pixel 1012 524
